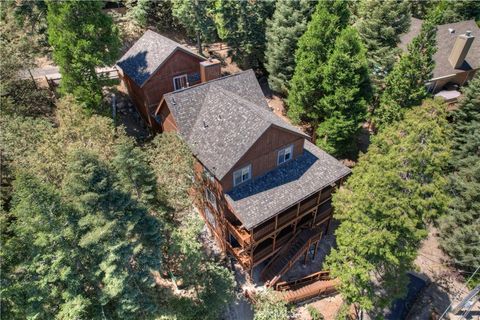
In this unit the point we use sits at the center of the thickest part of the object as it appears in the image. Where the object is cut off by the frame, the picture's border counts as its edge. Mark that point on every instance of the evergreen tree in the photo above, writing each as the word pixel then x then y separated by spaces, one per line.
pixel 460 227
pixel 288 23
pixel 86 252
pixel 242 25
pixel 396 187
pixel 346 93
pixel 314 47
pixel 134 173
pixel 270 306
pixel 405 85
pixel 455 11
pixel 197 18
pixel 83 38
pixel 380 23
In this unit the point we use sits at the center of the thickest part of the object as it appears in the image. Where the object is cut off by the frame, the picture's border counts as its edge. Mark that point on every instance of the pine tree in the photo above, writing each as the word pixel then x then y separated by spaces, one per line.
pixel 314 47
pixel 347 91
pixel 197 18
pixel 83 38
pixel 134 173
pixel 87 251
pixel 405 84
pixel 242 25
pixel 460 227
pixel 380 23
pixel 395 189
pixel 270 306
pixel 288 23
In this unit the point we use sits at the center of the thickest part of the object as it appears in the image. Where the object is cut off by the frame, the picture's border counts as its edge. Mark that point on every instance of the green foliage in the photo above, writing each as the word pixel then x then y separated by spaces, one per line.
pixel 288 23
pixel 455 11
pixel 380 24
pixel 314 47
pixel 83 252
pixel 314 313
pixel 17 50
pixel 460 230
pixel 405 84
pixel 135 174
pixel 83 38
pixel 172 162
pixel 242 25
pixel 146 12
pixel 421 8
pixel 346 88
pixel 270 306
pixel 396 187
pixel 197 19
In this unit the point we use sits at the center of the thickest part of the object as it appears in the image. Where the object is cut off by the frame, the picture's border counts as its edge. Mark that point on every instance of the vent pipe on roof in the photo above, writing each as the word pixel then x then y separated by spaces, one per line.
pixel 451 30
pixel 460 49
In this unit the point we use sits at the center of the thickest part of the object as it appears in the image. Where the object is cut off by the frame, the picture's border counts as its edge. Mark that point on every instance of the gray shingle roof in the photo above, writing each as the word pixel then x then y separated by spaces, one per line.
pixel 223 118
pixel 258 200
pixel 445 42
pixel 147 54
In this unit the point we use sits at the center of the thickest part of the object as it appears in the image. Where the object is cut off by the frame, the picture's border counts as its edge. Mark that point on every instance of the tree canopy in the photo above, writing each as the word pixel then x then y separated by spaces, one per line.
pixel 314 47
pixel 347 91
pixel 460 228
pixel 83 38
pixel 242 25
pixel 405 84
pixel 287 24
pixel 395 188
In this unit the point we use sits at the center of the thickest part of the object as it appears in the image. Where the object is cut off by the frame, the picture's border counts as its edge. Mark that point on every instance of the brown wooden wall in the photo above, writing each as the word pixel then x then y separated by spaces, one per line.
pixel 263 154
pixel 162 81
pixel 168 122
pixel 147 98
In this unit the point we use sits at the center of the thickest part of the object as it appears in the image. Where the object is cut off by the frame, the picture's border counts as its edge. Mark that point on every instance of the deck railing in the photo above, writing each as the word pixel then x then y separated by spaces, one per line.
pixel 295 284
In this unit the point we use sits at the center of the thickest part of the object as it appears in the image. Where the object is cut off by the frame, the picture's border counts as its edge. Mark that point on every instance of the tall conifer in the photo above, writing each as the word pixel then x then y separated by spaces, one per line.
pixel 347 91
pixel 314 47
pixel 395 188
pixel 460 227
pixel 283 31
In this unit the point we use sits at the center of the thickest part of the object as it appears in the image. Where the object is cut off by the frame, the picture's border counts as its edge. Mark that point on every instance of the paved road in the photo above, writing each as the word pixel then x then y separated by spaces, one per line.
pixel 53 73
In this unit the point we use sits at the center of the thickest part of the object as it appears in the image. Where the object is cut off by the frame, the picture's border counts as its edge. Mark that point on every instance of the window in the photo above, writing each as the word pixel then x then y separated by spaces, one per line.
pixel 210 217
pixel 180 82
pixel 242 175
pixel 211 198
pixel 285 155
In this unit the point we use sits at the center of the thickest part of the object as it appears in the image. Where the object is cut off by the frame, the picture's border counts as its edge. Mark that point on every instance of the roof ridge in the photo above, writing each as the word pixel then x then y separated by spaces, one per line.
pixel 199 85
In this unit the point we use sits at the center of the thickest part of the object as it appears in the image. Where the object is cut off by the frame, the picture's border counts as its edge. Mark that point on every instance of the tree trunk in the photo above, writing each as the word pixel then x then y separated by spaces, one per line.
pixel 199 44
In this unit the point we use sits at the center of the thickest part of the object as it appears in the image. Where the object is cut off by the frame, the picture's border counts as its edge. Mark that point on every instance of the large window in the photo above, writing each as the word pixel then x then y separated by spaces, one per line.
pixel 180 82
pixel 242 175
pixel 211 198
pixel 285 154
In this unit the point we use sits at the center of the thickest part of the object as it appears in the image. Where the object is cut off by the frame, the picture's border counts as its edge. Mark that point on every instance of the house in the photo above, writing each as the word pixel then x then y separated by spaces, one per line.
pixel 457 56
pixel 266 189
pixel 155 65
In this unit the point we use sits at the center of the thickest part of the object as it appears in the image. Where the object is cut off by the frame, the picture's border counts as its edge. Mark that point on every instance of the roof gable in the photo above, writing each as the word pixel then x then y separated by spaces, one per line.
pixel 222 119
pixel 148 54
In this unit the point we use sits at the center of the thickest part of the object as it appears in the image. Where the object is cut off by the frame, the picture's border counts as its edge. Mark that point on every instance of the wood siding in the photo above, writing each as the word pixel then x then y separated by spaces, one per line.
pixel 147 98
pixel 262 156
pixel 168 122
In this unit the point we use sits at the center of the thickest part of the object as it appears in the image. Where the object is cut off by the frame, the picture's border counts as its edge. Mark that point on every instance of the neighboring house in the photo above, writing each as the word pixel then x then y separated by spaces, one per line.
pixel 155 65
pixel 457 56
pixel 266 189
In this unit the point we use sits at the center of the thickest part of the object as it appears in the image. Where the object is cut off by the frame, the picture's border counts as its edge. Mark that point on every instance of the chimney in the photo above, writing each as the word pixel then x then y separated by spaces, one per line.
pixel 460 49
pixel 210 70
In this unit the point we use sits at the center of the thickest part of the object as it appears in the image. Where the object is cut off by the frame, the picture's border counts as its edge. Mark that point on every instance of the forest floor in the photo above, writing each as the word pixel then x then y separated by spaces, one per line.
pixel 447 286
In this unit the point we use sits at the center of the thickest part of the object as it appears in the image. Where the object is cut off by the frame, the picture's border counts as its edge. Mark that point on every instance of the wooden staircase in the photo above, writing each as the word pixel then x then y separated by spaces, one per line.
pixel 287 256
pixel 319 287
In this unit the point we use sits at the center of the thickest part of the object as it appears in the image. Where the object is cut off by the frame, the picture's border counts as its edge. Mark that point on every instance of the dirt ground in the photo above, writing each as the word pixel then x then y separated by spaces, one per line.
pixel 447 285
